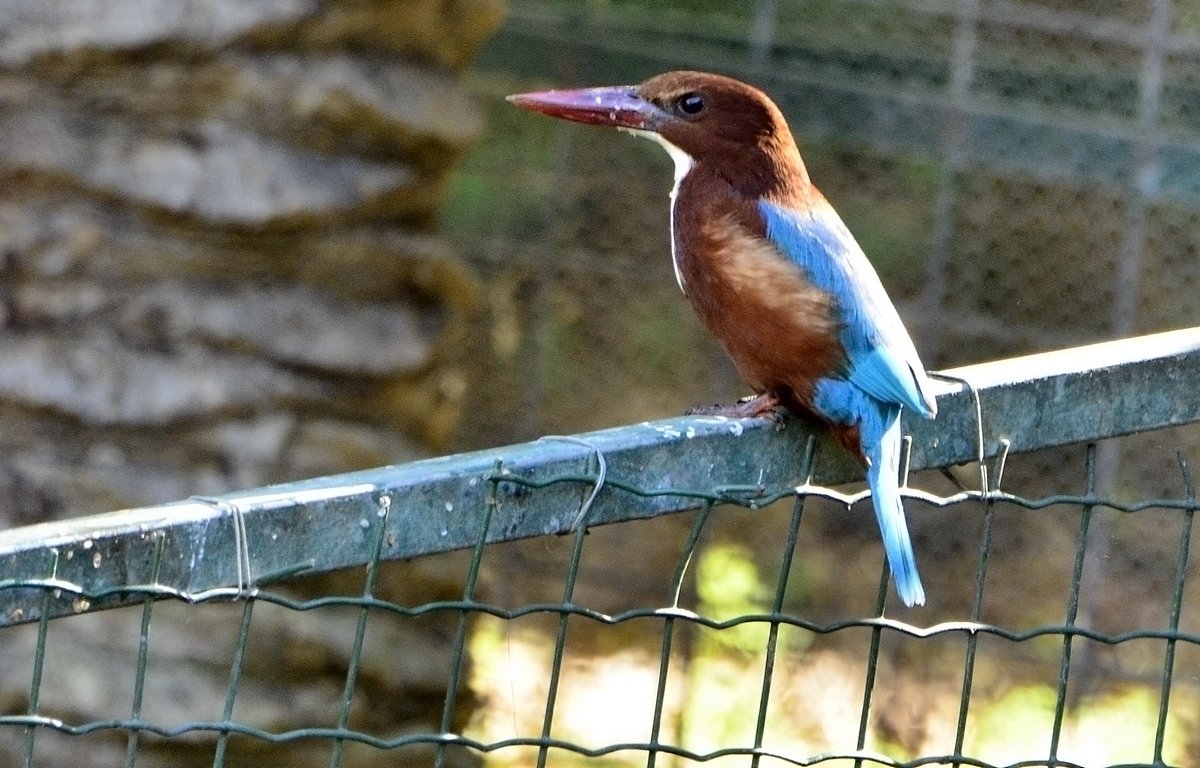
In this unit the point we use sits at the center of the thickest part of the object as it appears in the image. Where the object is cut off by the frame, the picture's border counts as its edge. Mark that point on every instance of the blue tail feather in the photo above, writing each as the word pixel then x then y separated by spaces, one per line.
pixel 879 433
pixel 883 478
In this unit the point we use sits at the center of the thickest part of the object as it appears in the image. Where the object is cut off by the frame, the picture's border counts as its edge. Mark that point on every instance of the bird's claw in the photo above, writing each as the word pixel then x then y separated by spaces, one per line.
pixel 764 406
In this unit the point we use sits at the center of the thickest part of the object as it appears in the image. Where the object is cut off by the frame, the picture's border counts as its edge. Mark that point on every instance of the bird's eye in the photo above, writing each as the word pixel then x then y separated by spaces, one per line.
pixel 690 103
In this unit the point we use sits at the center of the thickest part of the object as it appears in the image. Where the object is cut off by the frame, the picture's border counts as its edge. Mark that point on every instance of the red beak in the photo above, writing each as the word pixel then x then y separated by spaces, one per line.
pixel 619 106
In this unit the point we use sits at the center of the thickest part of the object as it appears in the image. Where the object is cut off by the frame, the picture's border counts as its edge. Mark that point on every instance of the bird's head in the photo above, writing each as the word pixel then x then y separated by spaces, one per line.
pixel 730 127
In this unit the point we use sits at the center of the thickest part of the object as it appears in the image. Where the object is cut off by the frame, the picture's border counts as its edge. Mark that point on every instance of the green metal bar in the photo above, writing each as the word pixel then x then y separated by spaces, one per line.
pixel 688 553
pixel 972 638
pixel 568 599
pixel 985 549
pixel 864 718
pixel 660 694
pixel 458 652
pixel 1181 568
pixel 235 679
pixel 785 571
pixel 1095 392
pixel 39 660
pixel 1064 673
pixel 664 659
pixel 139 681
pixel 360 632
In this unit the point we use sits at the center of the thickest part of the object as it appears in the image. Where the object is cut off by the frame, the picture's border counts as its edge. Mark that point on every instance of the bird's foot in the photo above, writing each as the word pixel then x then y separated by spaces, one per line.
pixel 753 407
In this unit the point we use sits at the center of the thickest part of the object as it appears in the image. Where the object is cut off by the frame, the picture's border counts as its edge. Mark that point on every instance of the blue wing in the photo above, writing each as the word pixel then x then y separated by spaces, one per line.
pixel 882 372
pixel 882 359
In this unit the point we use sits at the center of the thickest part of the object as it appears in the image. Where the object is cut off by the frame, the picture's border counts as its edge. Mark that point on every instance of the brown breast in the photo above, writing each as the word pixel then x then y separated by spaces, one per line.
pixel 779 329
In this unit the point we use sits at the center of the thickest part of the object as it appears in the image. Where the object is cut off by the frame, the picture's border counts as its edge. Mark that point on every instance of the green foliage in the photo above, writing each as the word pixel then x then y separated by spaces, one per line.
pixel 722 702
pixel 1115 727
pixel 1005 728
pixel 519 154
pixel 729 585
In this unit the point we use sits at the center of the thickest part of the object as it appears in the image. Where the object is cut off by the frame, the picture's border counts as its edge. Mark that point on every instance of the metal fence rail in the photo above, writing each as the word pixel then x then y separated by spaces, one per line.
pixel 234 546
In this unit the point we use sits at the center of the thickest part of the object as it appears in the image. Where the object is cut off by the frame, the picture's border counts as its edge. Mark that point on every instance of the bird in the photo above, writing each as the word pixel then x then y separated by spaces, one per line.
pixel 774 274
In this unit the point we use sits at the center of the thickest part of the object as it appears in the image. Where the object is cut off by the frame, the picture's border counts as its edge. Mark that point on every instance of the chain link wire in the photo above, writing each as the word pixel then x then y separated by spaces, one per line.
pixel 677 624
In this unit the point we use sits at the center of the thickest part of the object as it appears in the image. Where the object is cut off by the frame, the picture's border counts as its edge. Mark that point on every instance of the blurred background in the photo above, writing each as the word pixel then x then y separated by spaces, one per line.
pixel 251 242
pixel 1024 176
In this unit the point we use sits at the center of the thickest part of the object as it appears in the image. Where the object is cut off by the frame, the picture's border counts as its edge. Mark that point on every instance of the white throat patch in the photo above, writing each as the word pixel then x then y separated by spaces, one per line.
pixel 683 164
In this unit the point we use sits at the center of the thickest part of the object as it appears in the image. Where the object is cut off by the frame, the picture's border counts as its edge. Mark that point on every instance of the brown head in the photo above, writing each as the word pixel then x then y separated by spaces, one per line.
pixel 732 128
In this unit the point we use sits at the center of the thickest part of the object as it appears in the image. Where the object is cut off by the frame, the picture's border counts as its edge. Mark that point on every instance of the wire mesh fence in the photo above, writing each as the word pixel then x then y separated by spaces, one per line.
pixel 1024 172
pixel 732 654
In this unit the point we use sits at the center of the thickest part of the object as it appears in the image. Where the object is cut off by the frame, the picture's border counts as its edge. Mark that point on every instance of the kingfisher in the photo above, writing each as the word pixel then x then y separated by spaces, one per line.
pixel 774 274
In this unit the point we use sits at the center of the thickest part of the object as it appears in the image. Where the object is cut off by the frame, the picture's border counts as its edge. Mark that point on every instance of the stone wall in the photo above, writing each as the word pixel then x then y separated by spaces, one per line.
pixel 218 270
pixel 216 266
